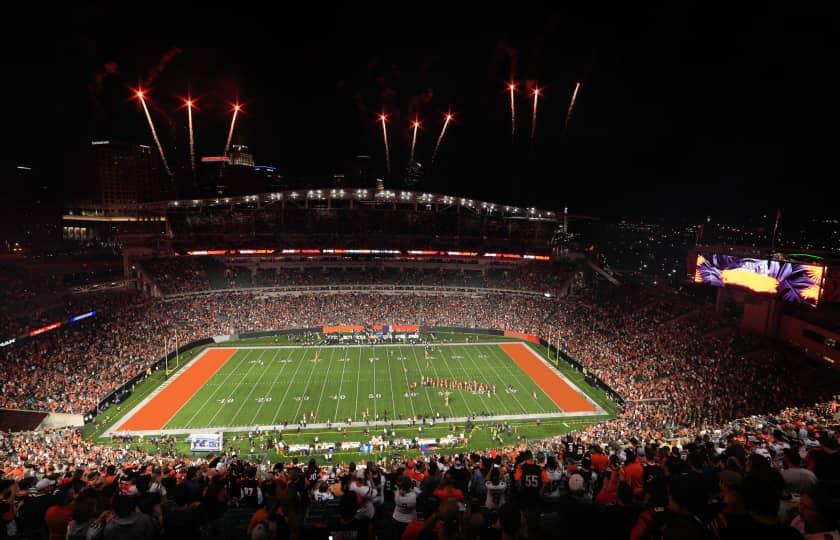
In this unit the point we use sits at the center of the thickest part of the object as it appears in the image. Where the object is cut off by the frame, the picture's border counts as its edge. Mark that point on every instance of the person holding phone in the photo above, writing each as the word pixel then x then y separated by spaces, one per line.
pixel 405 505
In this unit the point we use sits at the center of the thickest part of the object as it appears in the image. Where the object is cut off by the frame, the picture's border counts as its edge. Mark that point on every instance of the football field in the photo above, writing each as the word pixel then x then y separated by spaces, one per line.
pixel 240 388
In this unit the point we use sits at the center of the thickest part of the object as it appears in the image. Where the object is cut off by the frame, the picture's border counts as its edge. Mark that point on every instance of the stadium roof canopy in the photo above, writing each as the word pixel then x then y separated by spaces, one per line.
pixel 361 197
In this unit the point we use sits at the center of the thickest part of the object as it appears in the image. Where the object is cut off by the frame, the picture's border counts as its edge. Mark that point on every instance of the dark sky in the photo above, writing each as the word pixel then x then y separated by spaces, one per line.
pixel 681 113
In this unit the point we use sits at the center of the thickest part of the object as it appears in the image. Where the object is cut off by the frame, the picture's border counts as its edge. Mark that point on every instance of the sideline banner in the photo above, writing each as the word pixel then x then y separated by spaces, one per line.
pixel 206 442
pixel 345 329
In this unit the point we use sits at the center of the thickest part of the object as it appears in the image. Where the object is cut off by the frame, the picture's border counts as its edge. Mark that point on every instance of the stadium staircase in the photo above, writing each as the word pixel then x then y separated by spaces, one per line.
pixel 603 273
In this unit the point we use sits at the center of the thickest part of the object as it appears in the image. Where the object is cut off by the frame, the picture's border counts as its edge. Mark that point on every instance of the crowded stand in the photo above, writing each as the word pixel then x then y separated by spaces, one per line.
pixel 767 476
pixel 718 436
pixel 185 274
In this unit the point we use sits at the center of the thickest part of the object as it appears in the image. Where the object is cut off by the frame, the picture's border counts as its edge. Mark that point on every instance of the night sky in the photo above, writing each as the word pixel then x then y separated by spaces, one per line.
pixel 681 113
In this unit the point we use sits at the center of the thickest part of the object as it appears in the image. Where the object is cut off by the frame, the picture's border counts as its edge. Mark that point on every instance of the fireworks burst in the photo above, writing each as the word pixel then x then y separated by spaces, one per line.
pixel 415 125
pixel 512 88
pixel 447 119
pixel 236 108
pixel 534 113
pixel 141 95
pixel 571 105
pixel 190 104
pixel 382 118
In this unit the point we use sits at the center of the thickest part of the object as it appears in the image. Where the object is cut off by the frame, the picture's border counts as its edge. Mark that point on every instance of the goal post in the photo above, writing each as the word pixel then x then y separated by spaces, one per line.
pixel 167 343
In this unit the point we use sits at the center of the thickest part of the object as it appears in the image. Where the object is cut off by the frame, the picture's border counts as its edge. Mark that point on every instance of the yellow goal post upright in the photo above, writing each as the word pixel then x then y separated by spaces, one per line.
pixel 167 343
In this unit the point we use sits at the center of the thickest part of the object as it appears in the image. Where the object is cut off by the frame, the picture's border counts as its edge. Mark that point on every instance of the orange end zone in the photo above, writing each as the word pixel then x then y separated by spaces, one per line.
pixel 566 397
pixel 520 335
pixel 159 410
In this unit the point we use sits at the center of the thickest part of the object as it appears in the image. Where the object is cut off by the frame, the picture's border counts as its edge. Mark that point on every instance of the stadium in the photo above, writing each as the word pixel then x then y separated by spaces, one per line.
pixel 479 296
pixel 296 345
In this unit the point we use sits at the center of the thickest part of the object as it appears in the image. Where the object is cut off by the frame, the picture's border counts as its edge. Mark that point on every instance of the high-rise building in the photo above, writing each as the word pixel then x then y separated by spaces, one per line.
pixel 240 157
pixel 122 173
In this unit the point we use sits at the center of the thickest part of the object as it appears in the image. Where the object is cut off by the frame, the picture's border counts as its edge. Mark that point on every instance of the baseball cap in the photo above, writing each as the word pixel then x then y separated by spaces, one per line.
pixel 44 484
pixel 763 452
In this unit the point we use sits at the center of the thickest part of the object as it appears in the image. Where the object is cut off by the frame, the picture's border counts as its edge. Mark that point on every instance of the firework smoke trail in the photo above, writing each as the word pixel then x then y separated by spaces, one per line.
pixel 385 141
pixel 512 87
pixel 159 69
pixel 440 138
pixel 192 141
pixel 534 114
pixel 154 133
pixel 414 137
pixel 236 109
pixel 571 105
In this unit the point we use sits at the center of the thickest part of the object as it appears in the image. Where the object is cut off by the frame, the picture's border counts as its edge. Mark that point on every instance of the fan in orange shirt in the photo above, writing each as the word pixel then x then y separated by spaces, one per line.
pixel 600 461
pixel 447 490
pixel 633 471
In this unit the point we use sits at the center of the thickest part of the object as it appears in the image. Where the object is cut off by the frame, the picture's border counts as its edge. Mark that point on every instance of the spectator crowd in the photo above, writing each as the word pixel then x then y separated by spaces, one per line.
pixel 716 439
pixel 766 476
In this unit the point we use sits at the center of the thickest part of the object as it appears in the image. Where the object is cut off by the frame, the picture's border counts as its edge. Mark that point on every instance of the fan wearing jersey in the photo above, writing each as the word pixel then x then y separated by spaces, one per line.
pixel 366 493
pixel 249 490
pixel 390 485
pixel 552 489
pixel 322 493
pixel 405 505
pixel 495 489
pixel 529 477
pixel 312 474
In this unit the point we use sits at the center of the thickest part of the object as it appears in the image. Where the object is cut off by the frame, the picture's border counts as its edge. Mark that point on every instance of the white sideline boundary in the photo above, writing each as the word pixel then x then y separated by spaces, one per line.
pixel 110 432
pixel 292 428
pixel 598 409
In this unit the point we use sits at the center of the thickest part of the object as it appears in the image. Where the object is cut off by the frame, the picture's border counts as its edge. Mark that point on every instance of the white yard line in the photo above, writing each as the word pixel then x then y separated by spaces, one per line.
pixel 464 369
pixel 358 378
pixel 232 392
pixel 288 387
pixel 425 388
pixel 503 359
pixel 481 371
pixel 375 412
pixel 407 389
pixel 326 381
pixel 210 397
pixel 273 383
pixel 253 387
pixel 345 361
pixel 391 380
pixel 305 388
pixel 467 403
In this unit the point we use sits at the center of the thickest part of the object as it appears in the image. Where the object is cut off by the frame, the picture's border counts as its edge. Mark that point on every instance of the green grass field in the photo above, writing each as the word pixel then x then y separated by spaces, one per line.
pixel 269 381
pixel 269 386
